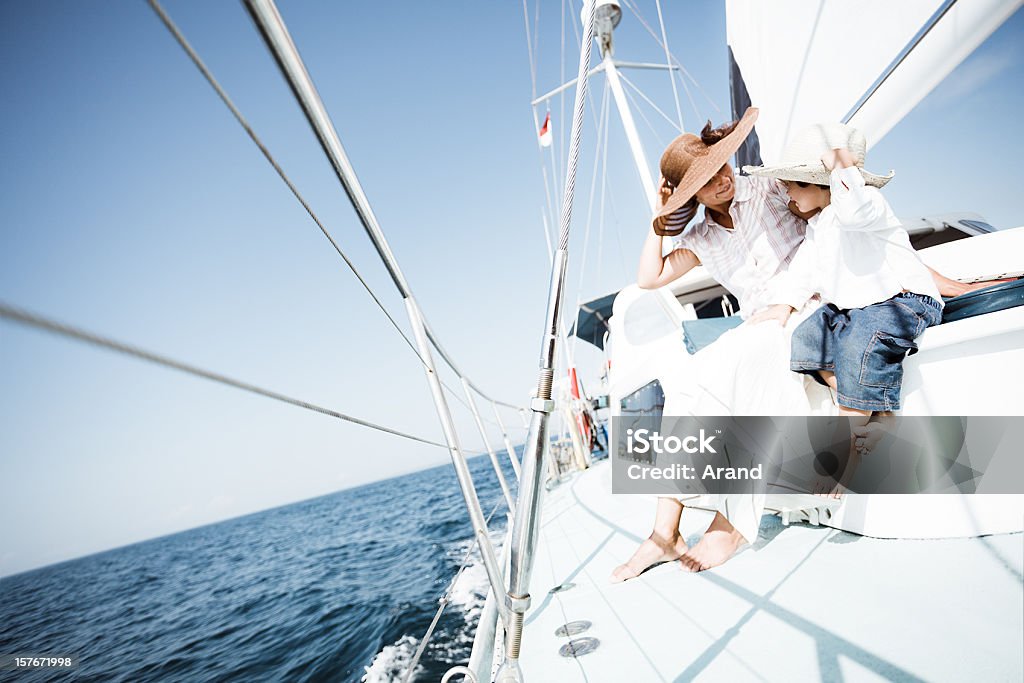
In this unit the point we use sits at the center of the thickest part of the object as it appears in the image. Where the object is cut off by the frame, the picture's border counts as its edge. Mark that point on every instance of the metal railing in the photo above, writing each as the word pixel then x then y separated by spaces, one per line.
pixel 525 521
pixel 275 34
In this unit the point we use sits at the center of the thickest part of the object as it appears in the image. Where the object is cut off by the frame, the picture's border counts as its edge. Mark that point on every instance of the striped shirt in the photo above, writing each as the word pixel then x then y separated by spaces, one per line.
pixel 761 245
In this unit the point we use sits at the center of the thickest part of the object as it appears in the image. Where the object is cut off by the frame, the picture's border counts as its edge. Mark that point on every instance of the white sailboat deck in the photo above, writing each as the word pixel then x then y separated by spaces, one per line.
pixel 803 604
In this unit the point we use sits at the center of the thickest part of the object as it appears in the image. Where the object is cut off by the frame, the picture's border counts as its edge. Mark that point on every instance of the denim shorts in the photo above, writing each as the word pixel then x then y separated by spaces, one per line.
pixel 864 347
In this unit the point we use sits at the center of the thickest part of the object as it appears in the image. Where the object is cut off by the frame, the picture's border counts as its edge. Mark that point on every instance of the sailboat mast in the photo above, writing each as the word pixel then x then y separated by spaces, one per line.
pixel 637 150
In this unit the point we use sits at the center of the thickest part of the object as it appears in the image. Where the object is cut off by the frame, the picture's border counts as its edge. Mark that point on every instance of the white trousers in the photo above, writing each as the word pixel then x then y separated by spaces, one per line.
pixel 746 372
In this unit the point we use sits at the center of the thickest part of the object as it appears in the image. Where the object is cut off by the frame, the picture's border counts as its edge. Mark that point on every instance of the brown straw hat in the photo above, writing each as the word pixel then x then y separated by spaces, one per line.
pixel 688 164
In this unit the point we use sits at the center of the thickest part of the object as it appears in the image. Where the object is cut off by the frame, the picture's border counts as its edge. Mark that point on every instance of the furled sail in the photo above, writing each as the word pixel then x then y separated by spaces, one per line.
pixel 867 62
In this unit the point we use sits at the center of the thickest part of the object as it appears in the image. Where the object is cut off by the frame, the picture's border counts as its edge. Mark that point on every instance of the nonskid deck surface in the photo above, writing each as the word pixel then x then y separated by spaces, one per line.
pixel 804 604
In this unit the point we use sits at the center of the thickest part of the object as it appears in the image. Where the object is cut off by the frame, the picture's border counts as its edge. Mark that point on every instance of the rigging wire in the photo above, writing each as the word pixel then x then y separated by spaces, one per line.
pixel 198 62
pixel 636 11
pixel 602 125
pixel 529 51
pixel 590 94
pixel 640 111
pixel 208 75
pixel 536 33
pixel 668 60
pixel 651 102
pixel 576 31
pixel 559 178
pixel 530 48
pixel 49 325
pixel 606 189
pixel 615 218
pixel 555 180
pixel 574 142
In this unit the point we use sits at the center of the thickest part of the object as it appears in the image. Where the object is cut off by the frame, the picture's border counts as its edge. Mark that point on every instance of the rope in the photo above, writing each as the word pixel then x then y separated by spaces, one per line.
pixel 39 322
pixel 208 75
pixel 443 601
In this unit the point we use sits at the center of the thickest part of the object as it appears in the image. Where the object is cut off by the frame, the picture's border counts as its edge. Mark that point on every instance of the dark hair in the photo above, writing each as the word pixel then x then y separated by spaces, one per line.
pixel 710 135
pixel 800 183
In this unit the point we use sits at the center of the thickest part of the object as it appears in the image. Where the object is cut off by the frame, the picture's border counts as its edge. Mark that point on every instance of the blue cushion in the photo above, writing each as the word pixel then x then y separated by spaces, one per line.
pixel 699 333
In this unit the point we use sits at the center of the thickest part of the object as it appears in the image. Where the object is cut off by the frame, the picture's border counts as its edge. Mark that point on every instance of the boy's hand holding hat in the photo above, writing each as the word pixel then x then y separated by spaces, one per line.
pixel 802 158
pixel 838 158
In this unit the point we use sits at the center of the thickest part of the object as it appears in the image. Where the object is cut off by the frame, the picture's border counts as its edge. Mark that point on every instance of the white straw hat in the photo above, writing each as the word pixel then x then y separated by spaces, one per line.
pixel 801 158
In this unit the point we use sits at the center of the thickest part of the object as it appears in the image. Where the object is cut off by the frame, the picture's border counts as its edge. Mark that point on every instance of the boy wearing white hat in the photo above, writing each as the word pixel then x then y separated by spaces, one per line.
pixel 858 257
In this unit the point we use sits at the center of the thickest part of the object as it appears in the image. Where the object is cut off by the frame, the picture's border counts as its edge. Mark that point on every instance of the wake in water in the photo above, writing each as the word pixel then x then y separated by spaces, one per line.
pixel 392 663
pixel 452 640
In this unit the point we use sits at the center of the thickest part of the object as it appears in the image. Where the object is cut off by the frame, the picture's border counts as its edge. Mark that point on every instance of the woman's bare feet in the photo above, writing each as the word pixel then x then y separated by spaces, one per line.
pixel 718 544
pixel 655 549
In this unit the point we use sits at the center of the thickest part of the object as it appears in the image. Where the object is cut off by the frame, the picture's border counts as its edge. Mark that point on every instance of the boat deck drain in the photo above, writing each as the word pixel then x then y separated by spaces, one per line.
pixel 573 628
pixel 562 587
pixel 579 647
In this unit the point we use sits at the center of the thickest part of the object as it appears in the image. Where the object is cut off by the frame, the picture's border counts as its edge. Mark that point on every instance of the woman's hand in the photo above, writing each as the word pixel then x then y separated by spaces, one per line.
pixel 664 192
pixel 779 312
pixel 678 218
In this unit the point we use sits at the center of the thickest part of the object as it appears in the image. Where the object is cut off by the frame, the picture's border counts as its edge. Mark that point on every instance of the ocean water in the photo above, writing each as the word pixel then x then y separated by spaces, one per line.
pixel 338 588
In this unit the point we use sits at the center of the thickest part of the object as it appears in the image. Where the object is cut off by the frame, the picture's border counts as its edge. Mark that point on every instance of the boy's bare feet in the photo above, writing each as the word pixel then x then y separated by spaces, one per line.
pixel 718 544
pixel 655 549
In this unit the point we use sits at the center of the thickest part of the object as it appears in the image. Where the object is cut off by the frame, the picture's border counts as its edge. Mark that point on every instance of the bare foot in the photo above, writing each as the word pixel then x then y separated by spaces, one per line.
pixel 835 486
pixel 868 436
pixel 717 545
pixel 655 549
pixel 828 467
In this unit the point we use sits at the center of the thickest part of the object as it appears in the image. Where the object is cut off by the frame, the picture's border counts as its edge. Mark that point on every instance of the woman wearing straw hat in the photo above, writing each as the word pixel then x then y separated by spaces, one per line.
pixel 748 236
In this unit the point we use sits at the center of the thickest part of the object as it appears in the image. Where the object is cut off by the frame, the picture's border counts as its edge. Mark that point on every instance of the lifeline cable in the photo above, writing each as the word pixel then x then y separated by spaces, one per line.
pixel 208 75
pixel 39 322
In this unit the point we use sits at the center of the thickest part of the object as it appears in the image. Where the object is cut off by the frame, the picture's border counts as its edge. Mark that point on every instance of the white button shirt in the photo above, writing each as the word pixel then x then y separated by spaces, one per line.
pixel 856 252
pixel 745 258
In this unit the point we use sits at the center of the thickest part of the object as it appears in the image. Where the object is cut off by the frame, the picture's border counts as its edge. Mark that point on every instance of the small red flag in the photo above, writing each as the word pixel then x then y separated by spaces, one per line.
pixel 545 132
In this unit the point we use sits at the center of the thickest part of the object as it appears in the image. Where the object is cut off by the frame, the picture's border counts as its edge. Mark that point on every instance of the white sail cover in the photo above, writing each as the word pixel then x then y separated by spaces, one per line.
pixel 809 61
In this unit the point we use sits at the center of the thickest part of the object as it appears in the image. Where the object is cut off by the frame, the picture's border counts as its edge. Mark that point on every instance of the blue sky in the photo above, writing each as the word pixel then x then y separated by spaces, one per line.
pixel 132 204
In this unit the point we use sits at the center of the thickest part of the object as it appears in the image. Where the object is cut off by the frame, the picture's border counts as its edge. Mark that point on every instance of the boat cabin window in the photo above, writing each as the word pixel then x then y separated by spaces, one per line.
pixel 924 237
